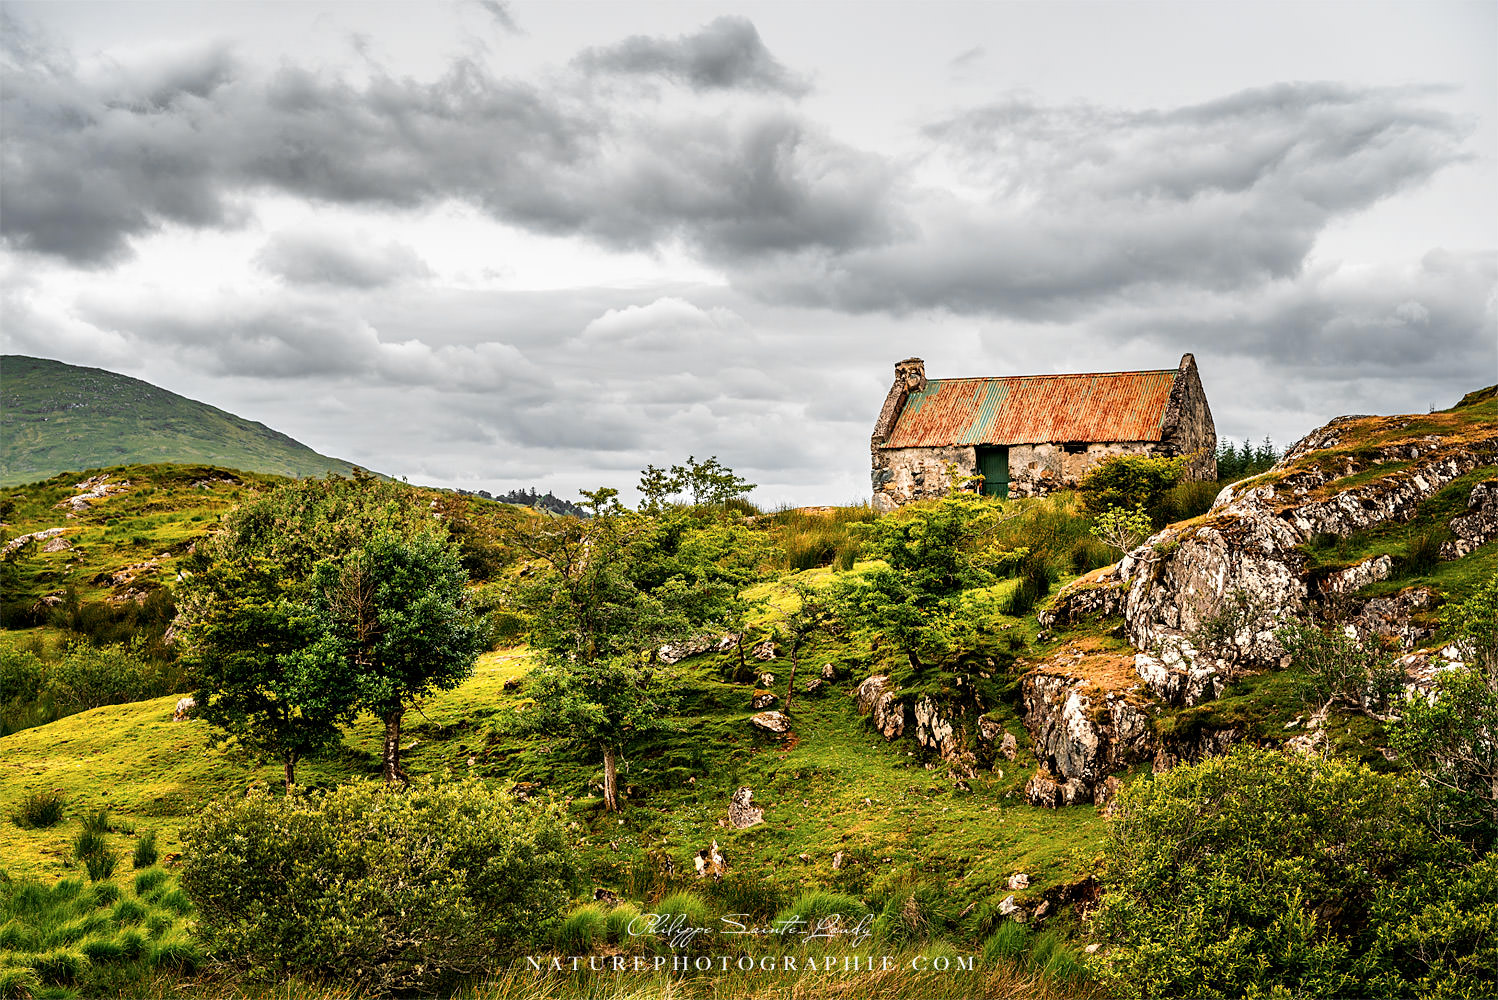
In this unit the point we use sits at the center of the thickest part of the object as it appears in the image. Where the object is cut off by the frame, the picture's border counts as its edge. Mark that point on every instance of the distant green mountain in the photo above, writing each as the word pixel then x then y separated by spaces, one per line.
pixel 63 418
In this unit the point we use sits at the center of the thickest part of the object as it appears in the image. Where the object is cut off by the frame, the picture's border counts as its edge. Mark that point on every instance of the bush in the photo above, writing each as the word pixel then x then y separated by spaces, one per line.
pixel 145 850
pixel 96 821
pixel 1089 553
pixel 39 809
pixel 383 890
pixel 913 913
pixel 1265 873
pixel 1130 481
pixel 22 675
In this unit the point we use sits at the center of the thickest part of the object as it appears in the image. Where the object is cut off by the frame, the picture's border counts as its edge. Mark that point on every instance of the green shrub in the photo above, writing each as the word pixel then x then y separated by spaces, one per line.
pixel 913 913
pixel 581 929
pixel 149 879
pixel 22 675
pixel 91 850
pixel 39 809
pixel 1089 553
pixel 103 949
pixel 176 900
pixel 1008 943
pixel 1130 481
pixel 132 945
pixel 1265 873
pixel 96 821
pixel 145 850
pixel 1036 577
pixel 381 889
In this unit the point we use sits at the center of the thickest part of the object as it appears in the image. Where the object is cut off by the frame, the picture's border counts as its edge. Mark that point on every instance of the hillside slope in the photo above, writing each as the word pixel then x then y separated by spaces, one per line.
pixel 56 417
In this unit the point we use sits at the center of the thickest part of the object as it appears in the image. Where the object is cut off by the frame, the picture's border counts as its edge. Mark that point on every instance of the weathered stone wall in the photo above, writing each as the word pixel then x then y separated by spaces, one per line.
pixel 905 475
pixel 1188 428
pixel 1038 469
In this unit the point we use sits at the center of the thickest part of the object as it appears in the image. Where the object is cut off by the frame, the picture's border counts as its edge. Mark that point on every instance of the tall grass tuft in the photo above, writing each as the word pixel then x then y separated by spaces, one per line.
pixel 1422 553
pixel 145 850
pixel 1007 943
pixel 581 929
pixel 817 906
pixel 816 537
pixel 91 850
pixel 149 879
pixel 618 922
pixel 39 810
pixel 96 821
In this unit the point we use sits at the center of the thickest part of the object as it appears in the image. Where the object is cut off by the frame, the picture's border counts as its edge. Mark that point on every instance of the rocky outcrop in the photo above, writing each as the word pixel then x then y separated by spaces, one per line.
pixel 1392 617
pixel 762 700
pixel 673 653
pixel 1080 732
pixel 932 731
pixel 89 491
pixel 1201 600
pixel 35 536
pixel 876 697
pixel 1476 527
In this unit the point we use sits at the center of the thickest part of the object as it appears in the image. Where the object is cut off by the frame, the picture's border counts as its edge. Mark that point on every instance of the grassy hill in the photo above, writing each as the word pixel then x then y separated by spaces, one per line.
pixel 57 418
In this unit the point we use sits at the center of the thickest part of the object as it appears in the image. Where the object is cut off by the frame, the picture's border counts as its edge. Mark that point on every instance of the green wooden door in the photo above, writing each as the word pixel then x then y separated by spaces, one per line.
pixel 993 466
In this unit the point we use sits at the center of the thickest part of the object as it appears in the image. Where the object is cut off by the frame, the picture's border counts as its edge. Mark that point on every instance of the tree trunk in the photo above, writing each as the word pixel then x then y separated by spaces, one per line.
pixel 290 772
pixel 739 642
pixel 790 685
pixel 392 754
pixel 610 780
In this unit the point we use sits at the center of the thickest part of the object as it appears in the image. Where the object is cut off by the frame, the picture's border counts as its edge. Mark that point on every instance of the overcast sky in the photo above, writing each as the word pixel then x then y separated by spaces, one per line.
pixel 488 245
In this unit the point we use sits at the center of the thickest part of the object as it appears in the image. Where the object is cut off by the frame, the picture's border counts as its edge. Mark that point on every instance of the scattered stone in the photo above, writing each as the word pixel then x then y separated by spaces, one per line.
pixel 1106 794
pixel 764 650
pixel 185 708
pixel 771 722
pixel 876 697
pixel 1008 747
pixel 605 896
pixel 1476 528
pixel 670 654
pixel 20 540
pixel 767 680
pixel 931 730
pixel 1008 907
pixel 762 700
pixel 804 858
pixel 1093 948
pixel 837 861
pixel 1020 880
pixel 741 812
pixel 812 686
pixel 513 684
pixel 710 863
pixel 829 672
pixel 57 545
pixel 1042 909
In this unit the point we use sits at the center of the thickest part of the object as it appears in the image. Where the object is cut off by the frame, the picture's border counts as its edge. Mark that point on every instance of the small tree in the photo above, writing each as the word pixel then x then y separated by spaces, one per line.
pixel 395 613
pixel 1122 530
pixel 710 482
pixel 812 614
pixel 594 624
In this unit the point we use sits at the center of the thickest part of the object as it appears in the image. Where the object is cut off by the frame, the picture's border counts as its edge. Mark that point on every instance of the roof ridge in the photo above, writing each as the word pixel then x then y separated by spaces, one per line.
pixel 989 378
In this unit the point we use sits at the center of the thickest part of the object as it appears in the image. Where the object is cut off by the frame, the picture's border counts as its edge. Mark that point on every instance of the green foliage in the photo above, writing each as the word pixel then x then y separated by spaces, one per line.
pixel 145 854
pixel 91 850
pixel 149 879
pixel 1035 579
pixel 1235 463
pixel 317 599
pixel 1451 739
pixel 1423 550
pixel 39 809
pixel 811 539
pixel 709 483
pixel 1263 873
pixel 1008 943
pixel 1122 529
pixel 380 889
pixel 1130 482
pixel 618 922
pixel 932 552
pixel 1338 668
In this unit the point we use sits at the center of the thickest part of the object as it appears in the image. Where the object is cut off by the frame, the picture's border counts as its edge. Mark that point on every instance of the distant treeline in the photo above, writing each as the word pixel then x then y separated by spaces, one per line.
pixel 530 498
pixel 1238 462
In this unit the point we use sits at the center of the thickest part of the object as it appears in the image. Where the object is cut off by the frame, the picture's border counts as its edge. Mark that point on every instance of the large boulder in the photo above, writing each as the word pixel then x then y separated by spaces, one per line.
pixel 876 697
pixel 741 811
pixel 932 731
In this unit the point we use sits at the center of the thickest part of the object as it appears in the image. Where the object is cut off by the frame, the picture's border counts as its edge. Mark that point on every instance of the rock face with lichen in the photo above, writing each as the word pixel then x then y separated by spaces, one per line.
pixel 1201 600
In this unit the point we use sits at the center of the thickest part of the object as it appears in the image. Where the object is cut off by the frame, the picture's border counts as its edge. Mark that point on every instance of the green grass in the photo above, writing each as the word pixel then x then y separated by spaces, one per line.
pixel 58 418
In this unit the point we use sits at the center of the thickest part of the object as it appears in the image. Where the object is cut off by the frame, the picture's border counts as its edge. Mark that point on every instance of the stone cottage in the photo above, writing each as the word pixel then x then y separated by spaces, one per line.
pixel 1030 434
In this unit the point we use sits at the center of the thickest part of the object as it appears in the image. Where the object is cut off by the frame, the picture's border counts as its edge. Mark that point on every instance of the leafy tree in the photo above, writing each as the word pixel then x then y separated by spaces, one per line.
pixel 266 639
pixel 1451 738
pixel 707 483
pixel 933 552
pixel 594 624
pixel 1266 874
pixel 393 612
pixel 1121 529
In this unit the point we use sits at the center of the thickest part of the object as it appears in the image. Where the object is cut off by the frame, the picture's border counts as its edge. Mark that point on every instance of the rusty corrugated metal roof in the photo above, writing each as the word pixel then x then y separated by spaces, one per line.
pixel 1031 409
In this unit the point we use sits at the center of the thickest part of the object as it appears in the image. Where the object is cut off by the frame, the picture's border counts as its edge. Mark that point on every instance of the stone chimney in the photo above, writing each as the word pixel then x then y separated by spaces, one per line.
pixel 911 371
pixel 910 376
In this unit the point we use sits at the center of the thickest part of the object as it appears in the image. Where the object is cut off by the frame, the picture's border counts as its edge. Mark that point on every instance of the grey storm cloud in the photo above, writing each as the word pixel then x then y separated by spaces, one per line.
pixel 1055 211
pixel 325 258
pixel 91 162
pixel 501 14
pixel 726 54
